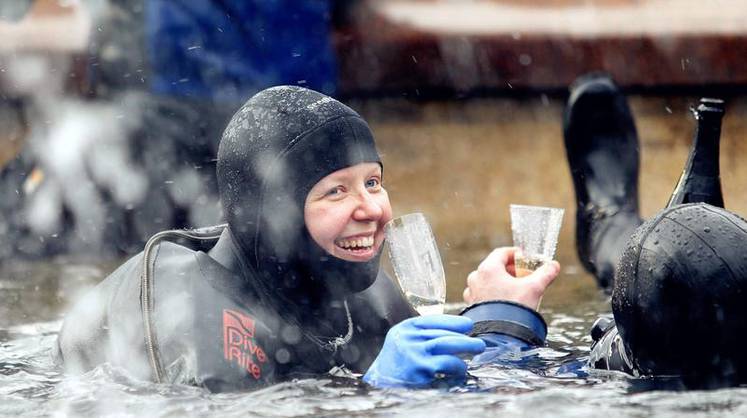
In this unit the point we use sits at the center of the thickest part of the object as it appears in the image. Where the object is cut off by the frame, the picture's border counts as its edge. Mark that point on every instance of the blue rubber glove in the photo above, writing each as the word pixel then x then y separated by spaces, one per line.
pixel 420 350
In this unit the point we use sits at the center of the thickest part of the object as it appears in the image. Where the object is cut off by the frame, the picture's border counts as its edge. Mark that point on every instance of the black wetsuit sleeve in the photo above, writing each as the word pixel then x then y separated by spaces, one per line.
pixel 509 319
pixel 510 332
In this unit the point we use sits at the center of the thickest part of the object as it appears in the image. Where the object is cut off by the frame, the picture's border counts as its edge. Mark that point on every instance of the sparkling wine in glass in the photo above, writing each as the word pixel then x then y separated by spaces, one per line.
pixel 535 231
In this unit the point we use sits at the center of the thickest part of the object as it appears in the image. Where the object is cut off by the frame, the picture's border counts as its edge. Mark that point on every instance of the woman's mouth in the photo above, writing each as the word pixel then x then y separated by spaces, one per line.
pixel 357 246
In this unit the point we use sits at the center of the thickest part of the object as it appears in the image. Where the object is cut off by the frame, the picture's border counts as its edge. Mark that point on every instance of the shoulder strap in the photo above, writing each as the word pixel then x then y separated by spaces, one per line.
pixel 200 237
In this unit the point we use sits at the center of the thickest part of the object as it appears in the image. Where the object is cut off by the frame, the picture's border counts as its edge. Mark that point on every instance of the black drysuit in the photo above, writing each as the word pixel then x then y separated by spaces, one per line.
pixel 210 327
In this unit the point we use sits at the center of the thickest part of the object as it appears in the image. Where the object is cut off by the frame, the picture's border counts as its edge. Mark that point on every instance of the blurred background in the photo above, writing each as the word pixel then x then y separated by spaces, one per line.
pixel 111 111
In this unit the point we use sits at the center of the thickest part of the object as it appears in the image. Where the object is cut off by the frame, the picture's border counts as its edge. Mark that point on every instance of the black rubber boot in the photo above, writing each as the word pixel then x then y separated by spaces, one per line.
pixel 602 148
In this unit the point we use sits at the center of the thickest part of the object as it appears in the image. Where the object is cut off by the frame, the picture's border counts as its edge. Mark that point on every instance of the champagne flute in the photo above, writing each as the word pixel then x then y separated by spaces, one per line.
pixel 535 231
pixel 417 263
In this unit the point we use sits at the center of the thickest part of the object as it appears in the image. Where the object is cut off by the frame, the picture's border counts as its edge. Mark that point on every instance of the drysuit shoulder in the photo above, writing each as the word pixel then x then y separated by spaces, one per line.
pixel 107 326
pixel 100 327
pixel 202 329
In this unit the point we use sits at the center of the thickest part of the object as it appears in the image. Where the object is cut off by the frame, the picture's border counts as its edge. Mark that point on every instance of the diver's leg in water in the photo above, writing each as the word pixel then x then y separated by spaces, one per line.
pixel 602 148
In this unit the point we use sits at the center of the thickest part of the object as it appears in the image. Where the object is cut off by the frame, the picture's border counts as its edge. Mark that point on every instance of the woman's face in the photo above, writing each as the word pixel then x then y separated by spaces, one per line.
pixel 345 212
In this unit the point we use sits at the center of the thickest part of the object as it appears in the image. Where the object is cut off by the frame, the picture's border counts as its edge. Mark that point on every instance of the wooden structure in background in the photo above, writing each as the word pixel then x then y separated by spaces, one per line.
pixel 468 45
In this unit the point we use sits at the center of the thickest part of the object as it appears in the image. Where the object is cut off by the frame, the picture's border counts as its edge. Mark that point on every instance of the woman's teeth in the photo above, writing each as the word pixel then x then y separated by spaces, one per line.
pixel 356 243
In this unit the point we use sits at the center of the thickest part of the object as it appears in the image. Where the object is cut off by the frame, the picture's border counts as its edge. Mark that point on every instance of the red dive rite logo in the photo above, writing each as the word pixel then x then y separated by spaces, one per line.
pixel 238 343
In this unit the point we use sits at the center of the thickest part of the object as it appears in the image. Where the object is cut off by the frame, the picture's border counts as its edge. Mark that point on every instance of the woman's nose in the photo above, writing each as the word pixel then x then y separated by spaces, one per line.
pixel 368 208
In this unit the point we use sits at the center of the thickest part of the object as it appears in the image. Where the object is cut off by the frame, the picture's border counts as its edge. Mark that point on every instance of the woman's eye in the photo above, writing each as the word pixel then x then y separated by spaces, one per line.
pixel 333 192
pixel 372 183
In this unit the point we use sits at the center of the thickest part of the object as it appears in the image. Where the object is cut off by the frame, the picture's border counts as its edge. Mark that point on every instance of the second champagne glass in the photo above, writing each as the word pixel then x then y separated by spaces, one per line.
pixel 535 231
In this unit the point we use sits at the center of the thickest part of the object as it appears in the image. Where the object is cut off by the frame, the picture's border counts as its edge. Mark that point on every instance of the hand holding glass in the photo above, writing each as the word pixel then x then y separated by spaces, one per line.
pixel 535 231
pixel 417 262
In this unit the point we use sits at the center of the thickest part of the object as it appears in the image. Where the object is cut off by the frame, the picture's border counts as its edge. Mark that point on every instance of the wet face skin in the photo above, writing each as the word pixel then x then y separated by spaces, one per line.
pixel 345 212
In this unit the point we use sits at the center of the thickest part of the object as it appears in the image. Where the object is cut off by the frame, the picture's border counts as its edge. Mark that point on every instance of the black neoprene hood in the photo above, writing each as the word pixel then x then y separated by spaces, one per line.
pixel 275 148
pixel 680 295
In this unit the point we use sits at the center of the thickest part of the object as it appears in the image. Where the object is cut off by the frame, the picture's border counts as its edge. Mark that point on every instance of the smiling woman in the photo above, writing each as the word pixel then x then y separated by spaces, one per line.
pixel 347 210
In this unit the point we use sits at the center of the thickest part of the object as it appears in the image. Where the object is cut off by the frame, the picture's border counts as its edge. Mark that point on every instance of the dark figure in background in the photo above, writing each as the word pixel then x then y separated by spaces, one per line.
pixel 679 280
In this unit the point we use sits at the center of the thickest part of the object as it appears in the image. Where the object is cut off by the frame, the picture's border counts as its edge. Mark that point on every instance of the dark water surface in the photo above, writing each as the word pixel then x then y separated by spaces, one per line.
pixel 35 296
